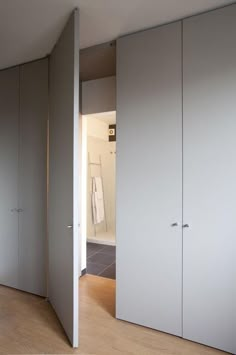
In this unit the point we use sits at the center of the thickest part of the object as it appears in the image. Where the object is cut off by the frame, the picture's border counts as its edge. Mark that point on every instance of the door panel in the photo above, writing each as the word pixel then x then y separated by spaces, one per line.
pixel 33 176
pixel 9 141
pixel 209 291
pixel 149 178
pixel 63 178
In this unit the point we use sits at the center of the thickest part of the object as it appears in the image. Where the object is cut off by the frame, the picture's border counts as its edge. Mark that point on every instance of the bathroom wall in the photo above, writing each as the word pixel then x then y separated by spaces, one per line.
pixel 98 145
pixel 95 139
pixel 106 150
pixel 97 128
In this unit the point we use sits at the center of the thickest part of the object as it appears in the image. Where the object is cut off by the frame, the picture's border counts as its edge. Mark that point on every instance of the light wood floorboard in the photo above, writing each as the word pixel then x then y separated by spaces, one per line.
pixel 29 326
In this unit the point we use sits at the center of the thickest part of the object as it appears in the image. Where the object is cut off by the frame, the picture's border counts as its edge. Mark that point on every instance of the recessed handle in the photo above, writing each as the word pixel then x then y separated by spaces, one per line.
pixel 185 225
pixel 175 224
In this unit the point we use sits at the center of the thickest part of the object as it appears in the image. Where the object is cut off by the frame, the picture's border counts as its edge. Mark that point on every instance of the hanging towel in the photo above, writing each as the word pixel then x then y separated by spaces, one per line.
pixel 97 200
pixel 98 184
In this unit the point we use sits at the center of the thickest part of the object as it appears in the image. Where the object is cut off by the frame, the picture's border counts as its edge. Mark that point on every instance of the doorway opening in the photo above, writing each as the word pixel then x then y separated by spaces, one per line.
pixel 99 194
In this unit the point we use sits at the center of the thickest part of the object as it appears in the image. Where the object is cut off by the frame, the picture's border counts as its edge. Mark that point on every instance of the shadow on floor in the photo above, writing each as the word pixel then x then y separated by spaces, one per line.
pixel 101 291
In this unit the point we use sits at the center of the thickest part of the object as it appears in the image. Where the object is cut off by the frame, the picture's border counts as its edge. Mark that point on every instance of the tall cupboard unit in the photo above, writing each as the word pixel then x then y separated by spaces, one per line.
pixel 149 178
pixel 209 194
pixel 23 176
pixel 33 176
pixel 39 187
pixel 9 148
pixel 176 173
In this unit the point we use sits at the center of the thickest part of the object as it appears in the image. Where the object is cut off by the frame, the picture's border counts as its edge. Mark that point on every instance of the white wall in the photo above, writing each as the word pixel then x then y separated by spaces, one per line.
pixel 99 95
pixel 97 129
pixel 84 166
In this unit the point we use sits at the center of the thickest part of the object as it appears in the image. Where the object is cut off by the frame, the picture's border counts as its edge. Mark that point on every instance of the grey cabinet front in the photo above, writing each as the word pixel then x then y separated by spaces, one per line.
pixel 33 177
pixel 9 150
pixel 149 179
pixel 23 176
pixel 209 244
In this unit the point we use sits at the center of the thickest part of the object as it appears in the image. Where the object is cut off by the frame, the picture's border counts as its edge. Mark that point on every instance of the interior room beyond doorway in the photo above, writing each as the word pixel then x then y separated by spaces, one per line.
pixel 99 161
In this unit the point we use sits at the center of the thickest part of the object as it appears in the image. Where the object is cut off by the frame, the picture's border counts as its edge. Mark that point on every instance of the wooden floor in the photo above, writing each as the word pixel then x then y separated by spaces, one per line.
pixel 29 326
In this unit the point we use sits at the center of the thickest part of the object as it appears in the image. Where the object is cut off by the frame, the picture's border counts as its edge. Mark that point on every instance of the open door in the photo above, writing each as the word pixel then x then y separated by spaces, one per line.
pixel 63 219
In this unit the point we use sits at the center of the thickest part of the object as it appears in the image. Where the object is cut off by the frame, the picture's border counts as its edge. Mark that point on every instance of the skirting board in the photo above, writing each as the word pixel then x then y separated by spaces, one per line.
pixel 98 241
pixel 83 272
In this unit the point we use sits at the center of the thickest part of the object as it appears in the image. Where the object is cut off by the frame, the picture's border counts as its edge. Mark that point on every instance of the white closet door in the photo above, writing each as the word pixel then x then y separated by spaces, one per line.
pixel 209 292
pixel 33 176
pixel 63 178
pixel 149 178
pixel 9 141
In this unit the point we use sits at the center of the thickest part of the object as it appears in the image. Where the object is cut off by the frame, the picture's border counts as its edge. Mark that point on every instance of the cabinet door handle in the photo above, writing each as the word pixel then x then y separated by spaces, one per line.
pixel 18 210
pixel 70 226
pixel 185 225
pixel 175 224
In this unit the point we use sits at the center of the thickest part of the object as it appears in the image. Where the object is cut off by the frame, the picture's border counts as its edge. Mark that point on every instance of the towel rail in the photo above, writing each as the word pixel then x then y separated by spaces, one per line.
pixel 101 175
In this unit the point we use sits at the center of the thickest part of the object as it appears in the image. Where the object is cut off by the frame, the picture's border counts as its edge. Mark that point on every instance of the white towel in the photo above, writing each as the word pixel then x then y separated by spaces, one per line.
pixel 98 186
pixel 97 200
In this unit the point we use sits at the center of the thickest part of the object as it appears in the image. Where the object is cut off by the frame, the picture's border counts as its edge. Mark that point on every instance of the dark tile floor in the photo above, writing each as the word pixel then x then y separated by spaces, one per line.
pixel 101 260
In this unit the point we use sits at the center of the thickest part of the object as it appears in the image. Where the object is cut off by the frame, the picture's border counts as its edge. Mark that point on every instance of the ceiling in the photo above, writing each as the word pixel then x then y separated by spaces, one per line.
pixel 108 117
pixel 30 28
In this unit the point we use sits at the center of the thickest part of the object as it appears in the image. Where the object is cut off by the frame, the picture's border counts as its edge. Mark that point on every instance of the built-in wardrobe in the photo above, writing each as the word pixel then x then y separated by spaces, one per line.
pixel 23 176
pixel 176 178
pixel 39 177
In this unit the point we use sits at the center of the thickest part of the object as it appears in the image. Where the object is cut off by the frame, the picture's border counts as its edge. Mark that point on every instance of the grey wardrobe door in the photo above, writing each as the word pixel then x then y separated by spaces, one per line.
pixel 33 176
pixel 209 292
pixel 63 178
pixel 149 178
pixel 9 141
